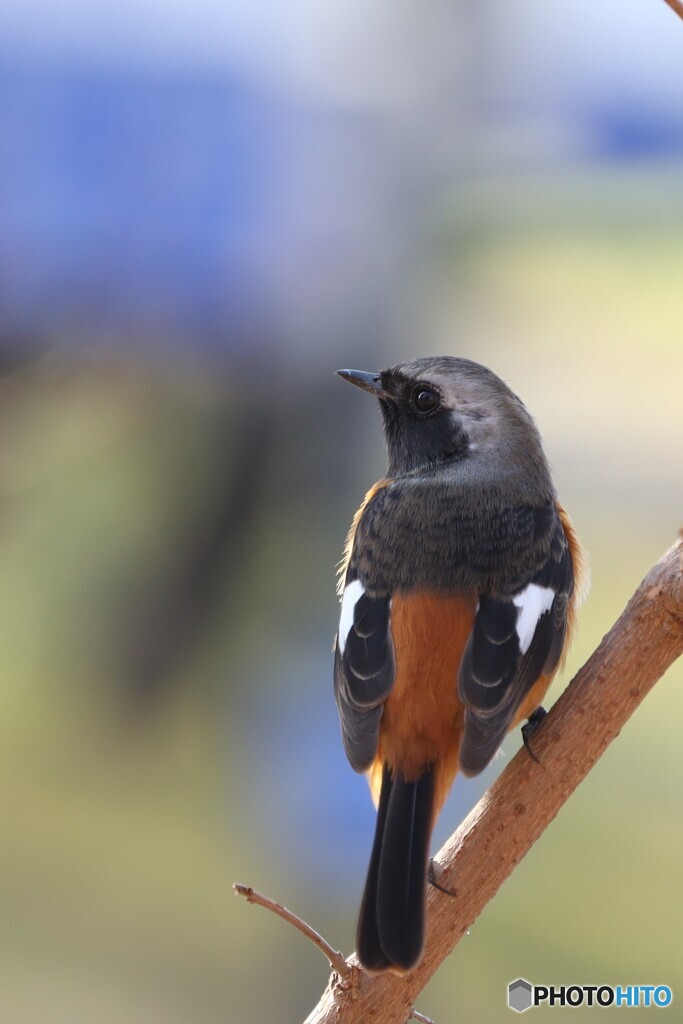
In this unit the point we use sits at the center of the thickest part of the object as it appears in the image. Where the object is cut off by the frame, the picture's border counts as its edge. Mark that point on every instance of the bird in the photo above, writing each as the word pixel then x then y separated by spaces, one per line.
pixel 459 586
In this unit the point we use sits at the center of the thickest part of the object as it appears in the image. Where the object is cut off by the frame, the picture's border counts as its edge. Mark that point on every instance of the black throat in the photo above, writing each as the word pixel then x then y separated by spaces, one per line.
pixel 422 443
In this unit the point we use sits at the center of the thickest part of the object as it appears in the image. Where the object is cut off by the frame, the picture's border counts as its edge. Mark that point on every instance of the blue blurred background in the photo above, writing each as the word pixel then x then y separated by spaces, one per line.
pixel 204 210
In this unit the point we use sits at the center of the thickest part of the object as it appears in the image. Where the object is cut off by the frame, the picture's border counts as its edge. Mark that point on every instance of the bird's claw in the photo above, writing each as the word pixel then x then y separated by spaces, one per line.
pixel 431 878
pixel 530 727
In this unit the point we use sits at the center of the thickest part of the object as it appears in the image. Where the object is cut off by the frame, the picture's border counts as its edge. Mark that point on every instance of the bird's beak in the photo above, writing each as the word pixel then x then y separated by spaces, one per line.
pixel 371 382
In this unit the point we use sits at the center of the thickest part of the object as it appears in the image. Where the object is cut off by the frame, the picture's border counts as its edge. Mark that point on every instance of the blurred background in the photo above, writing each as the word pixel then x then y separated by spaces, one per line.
pixel 204 211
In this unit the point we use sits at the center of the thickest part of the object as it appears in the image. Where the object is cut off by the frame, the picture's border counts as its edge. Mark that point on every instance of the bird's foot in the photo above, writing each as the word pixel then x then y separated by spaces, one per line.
pixel 431 878
pixel 530 727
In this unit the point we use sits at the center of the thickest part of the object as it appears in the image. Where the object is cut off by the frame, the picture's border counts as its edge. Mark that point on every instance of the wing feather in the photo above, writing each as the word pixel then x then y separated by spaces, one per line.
pixel 364 671
pixel 516 638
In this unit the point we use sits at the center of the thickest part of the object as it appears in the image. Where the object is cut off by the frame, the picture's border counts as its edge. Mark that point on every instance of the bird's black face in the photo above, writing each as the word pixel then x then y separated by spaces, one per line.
pixel 421 427
pixel 443 410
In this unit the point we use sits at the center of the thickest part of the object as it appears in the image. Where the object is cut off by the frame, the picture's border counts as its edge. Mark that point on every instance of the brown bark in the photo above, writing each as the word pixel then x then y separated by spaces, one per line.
pixel 676 6
pixel 511 816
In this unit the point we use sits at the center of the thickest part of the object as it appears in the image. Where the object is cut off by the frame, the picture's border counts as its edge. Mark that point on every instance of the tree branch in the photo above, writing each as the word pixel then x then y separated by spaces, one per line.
pixel 507 821
pixel 676 6
pixel 334 957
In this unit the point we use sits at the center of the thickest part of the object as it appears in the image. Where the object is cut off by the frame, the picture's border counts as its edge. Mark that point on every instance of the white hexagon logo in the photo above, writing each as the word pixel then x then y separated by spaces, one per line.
pixel 519 995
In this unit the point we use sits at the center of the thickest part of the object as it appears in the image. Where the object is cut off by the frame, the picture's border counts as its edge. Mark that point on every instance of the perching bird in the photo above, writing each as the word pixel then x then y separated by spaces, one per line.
pixel 459 589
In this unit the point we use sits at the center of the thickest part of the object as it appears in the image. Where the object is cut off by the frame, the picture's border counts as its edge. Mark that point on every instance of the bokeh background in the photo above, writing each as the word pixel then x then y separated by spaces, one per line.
pixel 205 210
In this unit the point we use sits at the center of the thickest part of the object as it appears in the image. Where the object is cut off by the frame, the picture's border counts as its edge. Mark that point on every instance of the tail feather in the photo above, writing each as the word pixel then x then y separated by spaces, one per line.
pixel 368 945
pixel 391 922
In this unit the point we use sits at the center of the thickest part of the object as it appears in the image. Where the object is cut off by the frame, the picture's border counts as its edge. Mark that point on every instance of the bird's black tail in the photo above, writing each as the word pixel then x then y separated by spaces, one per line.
pixel 391 922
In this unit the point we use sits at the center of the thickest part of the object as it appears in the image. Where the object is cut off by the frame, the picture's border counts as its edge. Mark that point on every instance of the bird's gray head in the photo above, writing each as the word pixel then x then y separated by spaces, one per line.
pixel 443 409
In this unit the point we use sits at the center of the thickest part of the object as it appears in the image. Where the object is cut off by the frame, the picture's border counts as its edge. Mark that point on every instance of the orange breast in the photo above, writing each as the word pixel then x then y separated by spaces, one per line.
pixel 423 717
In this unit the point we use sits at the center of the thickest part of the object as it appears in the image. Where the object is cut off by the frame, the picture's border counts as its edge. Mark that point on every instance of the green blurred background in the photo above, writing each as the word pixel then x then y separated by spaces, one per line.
pixel 201 220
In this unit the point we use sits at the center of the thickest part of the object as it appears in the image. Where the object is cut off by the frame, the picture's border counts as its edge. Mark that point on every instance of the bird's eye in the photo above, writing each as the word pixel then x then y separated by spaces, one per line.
pixel 425 400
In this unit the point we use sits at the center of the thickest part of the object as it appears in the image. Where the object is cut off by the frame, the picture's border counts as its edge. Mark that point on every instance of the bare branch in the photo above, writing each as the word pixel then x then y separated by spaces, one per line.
pixel 421 1017
pixel 336 960
pixel 479 856
pixel 676 6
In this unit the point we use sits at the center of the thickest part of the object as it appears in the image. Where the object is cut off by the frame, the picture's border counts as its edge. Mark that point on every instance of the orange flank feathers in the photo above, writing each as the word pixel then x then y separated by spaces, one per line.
pixel 423 718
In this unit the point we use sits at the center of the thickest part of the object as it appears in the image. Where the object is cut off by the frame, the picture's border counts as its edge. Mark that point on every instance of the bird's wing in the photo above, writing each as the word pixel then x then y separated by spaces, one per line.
pixel 363 668
pixel 517 637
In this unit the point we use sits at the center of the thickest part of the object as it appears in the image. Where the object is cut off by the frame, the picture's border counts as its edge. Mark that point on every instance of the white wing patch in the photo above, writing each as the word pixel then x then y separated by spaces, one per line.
pixel 352 593
pixel 532 602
